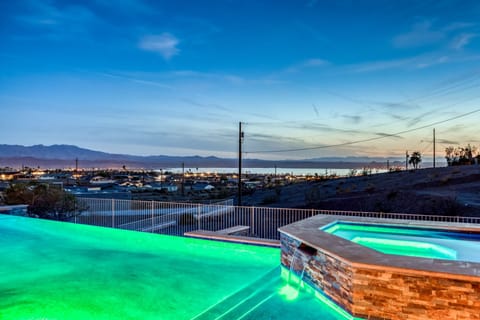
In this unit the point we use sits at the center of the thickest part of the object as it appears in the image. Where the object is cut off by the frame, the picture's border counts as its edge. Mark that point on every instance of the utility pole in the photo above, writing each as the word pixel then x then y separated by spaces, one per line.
pixel 161 179
pixel 76 170
pixel 240 141
pixel 434 147
pixel 183 179
pixel 406 160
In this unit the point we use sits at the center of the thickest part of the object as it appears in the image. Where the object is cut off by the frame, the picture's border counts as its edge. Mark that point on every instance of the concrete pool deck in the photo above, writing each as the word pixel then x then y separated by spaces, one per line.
pixel 373 285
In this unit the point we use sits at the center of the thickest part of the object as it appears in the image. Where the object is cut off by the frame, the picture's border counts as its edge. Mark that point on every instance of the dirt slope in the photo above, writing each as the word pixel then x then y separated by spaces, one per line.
pixel 440 191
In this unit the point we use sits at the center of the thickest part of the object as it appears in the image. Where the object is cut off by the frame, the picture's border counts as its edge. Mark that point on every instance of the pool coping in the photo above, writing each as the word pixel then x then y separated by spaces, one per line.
pixel 212 235
pixel 308 231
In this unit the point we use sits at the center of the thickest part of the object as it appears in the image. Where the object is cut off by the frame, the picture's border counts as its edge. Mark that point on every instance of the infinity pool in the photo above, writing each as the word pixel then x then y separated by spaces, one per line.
pixel 411 241
pixel 54 270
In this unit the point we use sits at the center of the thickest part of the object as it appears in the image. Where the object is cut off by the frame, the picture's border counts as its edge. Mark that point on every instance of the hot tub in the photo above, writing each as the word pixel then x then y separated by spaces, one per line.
pixel 441 281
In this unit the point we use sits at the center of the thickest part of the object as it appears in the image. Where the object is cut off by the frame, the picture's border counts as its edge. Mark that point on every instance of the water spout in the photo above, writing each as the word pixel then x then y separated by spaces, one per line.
pixel 291 263
pixel 291 291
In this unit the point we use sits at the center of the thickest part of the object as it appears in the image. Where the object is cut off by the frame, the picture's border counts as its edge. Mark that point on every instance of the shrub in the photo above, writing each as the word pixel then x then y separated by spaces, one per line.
pixel 450 207
pixel 44 201
pixel 186 218
pixel 312 195
pixel 392 194
pixel 445 180
pixel 269 199
pixel 370 188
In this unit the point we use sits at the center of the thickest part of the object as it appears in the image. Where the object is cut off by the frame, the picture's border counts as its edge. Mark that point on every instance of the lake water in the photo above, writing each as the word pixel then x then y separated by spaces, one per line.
pixel 279 171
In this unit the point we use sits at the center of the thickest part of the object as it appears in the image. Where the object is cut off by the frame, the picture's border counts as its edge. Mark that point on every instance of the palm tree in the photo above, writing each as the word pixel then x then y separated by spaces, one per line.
pixel 415 159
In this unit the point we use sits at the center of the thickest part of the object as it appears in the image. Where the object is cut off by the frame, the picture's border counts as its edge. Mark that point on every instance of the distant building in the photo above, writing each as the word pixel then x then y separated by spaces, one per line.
pixel 202 186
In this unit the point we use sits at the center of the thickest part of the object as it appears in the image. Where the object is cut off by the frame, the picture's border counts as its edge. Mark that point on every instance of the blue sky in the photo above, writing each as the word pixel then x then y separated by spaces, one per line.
pixel 175 77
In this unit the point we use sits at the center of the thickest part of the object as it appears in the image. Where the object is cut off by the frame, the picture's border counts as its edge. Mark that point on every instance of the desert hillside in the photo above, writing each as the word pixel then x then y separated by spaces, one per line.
pixel 439 191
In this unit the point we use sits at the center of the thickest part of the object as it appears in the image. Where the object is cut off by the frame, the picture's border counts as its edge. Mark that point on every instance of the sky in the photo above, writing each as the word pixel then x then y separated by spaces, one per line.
pixel 307 79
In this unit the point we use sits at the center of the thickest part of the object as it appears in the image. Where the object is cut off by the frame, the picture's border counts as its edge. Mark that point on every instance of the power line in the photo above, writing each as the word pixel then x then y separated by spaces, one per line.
pixel 369 139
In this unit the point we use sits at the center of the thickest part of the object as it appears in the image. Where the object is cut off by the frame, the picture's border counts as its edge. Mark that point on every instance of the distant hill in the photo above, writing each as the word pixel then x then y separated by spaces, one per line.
pixel 450 191
pixel 64 156
pixel 57 151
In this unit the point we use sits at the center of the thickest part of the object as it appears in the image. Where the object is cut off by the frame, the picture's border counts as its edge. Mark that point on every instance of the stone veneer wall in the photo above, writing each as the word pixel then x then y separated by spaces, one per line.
pixel 406 295
pixel 383 293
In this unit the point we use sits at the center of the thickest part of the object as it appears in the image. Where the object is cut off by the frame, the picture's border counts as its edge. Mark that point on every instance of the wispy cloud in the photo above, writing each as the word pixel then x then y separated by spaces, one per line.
pixel 219 77
pixel 206 106
pixel 388 135
pixel 421 34
pixel 314 63
pixel 454 26
pixel 165 44
pixel 398 105
pixel 463 39
pixel 449 41
pixel 456 34
pixel 136 80
pixel 257 142
pixel 188 78
pixel 353 119
pixel 316 127
pixel 349 98
pixel 415 62
pixel 58 23
pixel 206 142
pixel 446 141
pixel 397 117
pixel 307 64
pixel 382 65
pixel 415 120
pixel 231 78
pixel 219 111
pixel 130 6
pixel 315 110
pixel 430 63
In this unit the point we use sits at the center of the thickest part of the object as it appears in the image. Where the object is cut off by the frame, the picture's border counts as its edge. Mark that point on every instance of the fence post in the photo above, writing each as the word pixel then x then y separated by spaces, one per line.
pixel 199 211
pixel 152 216
pixel 252 219
pixel 113 213
pixel 76 212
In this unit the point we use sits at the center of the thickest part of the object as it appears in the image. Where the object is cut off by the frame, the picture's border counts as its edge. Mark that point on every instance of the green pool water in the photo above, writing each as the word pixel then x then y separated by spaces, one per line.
pixel 411 241
pixel 54 270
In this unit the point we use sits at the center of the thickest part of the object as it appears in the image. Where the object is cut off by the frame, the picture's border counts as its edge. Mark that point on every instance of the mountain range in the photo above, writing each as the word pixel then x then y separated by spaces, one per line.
pixel 65 156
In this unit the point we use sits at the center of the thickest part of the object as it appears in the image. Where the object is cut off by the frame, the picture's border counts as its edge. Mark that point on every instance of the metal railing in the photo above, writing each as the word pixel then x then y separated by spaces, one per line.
pixel 175 218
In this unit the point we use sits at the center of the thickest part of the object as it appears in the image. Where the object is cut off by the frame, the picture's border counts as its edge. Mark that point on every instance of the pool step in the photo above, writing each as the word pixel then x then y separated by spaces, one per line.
pixel 241 303
pixel 248 304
